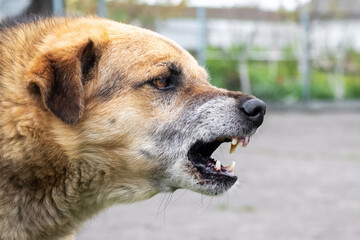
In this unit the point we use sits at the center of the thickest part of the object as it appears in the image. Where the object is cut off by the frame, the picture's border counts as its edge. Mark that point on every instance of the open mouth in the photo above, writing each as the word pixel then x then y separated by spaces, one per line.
pixel 209 168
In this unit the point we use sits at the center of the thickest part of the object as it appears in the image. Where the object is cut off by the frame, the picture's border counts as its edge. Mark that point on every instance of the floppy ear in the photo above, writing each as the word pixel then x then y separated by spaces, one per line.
pixel 60 74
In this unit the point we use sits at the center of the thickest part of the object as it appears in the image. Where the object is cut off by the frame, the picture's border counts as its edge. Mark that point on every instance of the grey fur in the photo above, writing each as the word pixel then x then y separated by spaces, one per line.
pixel 204 119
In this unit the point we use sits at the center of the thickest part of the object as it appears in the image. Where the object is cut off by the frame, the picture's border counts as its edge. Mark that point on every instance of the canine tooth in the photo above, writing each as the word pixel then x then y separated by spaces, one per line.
pixel 234 143
pixel 218 165
pixel 231 167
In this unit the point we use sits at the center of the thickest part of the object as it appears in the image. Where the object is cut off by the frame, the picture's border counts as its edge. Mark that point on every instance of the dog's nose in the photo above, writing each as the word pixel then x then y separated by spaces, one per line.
pixel 254 109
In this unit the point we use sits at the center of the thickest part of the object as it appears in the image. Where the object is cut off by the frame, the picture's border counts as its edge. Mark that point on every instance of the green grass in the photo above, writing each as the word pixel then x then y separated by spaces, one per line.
pixel 279 82
pixel 352 86
pixel 268 83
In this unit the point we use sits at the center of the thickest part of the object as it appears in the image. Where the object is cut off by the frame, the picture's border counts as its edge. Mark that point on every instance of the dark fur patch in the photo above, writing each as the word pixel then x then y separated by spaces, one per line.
pixel 65 98
pixel 64 78
pixel 174 68
pixel 34 89
pixel 110 87
pixel 88 61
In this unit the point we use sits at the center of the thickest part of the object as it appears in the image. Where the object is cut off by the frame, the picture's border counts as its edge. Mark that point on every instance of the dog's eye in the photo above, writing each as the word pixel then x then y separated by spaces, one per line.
pixel 162 83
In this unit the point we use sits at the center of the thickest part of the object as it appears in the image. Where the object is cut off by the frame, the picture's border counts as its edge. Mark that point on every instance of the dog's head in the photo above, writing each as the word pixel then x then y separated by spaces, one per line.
pixel 136 111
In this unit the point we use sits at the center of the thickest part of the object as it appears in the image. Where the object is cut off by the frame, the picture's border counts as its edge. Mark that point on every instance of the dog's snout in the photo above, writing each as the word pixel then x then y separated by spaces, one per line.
pixel 254 109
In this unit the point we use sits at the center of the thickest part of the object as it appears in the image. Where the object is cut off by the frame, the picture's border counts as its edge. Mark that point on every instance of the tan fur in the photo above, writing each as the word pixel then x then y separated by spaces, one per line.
pixel 62 161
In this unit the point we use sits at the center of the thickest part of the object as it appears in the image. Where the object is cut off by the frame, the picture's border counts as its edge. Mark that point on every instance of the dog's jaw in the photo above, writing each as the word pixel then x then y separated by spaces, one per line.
pixel 204 121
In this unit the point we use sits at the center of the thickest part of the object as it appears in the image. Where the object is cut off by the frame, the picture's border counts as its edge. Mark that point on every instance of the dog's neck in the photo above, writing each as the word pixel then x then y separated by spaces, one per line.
pixel 34 170
pixel 55 189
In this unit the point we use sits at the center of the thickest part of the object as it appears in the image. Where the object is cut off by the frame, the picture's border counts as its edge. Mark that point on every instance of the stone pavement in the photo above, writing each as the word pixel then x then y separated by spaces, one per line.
pixel 299 179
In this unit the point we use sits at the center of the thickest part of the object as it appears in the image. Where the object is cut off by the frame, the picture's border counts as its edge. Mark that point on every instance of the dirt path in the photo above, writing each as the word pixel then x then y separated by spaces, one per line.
pixel 299 179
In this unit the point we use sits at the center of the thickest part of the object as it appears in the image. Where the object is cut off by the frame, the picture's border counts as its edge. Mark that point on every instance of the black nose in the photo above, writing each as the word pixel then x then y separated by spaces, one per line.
pixel 254 109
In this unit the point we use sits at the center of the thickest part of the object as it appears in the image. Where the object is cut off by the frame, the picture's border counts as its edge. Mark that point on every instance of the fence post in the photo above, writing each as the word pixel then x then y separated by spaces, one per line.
pixel 102 9
pixel 305 54
pixel 58 7
pixel 244 71
pixel 201 51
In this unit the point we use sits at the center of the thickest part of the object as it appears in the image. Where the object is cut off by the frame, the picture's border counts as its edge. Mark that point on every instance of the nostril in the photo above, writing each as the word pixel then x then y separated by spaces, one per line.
pixel 254 108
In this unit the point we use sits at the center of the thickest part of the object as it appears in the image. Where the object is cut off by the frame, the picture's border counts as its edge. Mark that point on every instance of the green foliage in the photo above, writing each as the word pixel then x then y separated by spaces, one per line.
pixel 222 69
pixel 320 87
pixel 353 56
pixel 274 84
pixel 130 11
pixel 279 80
pixel 81 6
pixel 352 87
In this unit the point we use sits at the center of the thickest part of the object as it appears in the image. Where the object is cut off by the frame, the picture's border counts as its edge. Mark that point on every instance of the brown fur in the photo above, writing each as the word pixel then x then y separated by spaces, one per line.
pixel 75 108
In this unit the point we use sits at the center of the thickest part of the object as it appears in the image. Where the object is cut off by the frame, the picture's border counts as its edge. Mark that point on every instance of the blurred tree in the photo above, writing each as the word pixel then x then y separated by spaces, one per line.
pixel 80 7
pixel 130 11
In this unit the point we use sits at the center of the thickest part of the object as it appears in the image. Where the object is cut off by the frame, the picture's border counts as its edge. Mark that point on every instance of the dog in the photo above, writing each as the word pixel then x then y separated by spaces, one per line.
pixel 94 113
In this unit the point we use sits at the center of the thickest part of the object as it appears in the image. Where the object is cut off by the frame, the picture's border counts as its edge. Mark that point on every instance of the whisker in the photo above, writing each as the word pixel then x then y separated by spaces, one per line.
pixel 159 208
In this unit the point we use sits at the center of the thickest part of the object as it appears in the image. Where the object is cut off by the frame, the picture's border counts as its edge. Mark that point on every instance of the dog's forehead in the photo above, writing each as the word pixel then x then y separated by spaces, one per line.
pixel 151 53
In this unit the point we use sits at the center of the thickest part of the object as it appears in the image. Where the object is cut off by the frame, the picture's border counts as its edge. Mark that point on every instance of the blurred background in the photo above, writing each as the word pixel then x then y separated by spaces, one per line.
pixel 282 51
pixel 300 176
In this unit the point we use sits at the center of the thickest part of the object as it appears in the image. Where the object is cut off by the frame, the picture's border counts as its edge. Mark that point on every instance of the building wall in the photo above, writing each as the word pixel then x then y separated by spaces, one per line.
pixel 325 35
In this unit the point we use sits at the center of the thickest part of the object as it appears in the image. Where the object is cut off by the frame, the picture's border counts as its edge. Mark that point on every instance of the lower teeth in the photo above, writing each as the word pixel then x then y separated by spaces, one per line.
pixel 218 166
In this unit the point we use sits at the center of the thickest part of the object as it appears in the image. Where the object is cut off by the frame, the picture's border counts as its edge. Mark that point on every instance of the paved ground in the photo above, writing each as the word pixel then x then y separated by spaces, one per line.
pixel 299 179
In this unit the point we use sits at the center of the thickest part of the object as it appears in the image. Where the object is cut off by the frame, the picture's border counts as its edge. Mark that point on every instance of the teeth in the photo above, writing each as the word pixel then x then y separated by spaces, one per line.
pixel 231 167
pixel 218 165
pixel 234 143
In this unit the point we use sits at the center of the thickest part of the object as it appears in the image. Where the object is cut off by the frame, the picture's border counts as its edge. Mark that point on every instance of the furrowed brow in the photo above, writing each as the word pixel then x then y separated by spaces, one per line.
pixel 174 68
pixel 161 70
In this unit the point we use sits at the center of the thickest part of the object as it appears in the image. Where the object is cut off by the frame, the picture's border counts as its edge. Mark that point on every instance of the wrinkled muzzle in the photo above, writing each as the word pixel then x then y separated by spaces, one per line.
pixel 188 142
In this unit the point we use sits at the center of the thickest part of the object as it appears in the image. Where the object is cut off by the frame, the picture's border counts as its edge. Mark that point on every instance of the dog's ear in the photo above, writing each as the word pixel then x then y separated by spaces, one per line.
pixel 59 76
